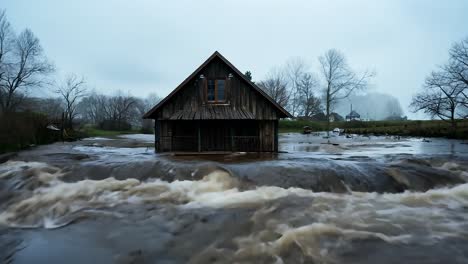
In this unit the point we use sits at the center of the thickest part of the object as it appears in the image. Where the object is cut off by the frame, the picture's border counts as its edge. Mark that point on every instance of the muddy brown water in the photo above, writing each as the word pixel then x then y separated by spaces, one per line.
pixel 364 200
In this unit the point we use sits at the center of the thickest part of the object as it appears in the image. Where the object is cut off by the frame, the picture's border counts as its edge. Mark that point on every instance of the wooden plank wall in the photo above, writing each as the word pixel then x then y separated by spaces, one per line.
pixel 215 136
pixel 267 135
pixel 242 102
pixel 165 136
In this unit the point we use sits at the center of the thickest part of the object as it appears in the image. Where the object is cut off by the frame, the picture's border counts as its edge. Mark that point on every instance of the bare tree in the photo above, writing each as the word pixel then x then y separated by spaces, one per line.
pixel 445 92
pixel 457 69
pixel 6 38
pixel 458 65
pixel 309 104
pixel 52 107
pixel 340 80
pixel 294 69
pixel 120 109
pixel 25 68
pixel 276 86
pixel 117 112
pixel 143 106
pixel 93 107
pixel 440 97
pixel 71 91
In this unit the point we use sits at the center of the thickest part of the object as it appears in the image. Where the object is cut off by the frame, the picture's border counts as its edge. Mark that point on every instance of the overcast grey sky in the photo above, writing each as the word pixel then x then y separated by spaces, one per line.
pixel 151 46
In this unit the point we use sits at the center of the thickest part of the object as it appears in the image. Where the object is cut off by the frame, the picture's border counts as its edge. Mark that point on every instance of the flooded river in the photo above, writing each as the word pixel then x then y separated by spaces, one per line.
pixel 360 200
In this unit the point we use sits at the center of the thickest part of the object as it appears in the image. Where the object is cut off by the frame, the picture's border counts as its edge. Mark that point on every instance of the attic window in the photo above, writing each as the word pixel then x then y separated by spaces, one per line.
pixel 216 91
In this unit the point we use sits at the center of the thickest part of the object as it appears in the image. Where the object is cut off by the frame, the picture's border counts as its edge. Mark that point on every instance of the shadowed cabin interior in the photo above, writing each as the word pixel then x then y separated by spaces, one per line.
pixel 216 109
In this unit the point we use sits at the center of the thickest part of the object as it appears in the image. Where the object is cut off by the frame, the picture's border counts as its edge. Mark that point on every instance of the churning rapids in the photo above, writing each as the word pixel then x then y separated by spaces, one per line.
pixel 363 200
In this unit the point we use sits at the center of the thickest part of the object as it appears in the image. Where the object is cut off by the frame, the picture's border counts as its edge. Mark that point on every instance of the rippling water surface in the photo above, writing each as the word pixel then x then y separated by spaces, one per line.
pixel 362 200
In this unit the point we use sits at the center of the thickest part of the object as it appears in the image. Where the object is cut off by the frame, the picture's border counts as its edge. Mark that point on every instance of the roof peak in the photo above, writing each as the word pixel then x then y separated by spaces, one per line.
pixel 229 64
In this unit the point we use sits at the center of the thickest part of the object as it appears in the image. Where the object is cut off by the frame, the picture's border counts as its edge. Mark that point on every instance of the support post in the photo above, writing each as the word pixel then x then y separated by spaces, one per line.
pixel 62 123
pixel 156 135
pixel 276 136
pixel 171 128
pixel 232 139
pixel 199 137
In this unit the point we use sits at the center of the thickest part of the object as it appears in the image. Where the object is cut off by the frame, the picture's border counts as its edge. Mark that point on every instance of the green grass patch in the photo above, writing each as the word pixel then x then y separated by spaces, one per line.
pixel 286 126
pixel 95 132
pixel 421 128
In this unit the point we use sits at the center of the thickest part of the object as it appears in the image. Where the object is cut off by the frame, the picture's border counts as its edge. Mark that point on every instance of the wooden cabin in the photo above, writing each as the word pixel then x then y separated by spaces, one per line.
pixel 216 109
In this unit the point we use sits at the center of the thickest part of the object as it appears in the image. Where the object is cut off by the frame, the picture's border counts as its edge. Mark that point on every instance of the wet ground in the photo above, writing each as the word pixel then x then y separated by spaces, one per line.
pixel 358 200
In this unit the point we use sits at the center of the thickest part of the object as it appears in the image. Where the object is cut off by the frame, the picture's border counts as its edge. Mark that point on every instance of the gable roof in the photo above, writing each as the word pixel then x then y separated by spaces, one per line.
pixel 353 114
pixel 216 54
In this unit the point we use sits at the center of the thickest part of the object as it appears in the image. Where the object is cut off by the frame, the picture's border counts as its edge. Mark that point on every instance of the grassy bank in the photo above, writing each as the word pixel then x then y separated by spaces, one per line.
pixel 95 132
pixel 19 131
pixel 421 128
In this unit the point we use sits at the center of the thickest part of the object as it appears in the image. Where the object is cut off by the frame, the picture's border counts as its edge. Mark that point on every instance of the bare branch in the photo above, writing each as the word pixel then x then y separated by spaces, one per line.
pixel 276 86
pixel 294 70
pixel 309 104
pixel 71 91
pixel 23 68
pixel 340 81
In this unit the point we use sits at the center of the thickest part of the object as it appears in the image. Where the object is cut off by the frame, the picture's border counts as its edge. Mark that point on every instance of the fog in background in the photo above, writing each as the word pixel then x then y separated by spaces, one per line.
pixel 371 106
pixel 150 46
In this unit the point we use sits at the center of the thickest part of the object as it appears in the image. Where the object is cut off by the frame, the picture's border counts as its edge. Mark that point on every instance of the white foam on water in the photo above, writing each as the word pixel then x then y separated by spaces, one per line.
pixel 97 138
pixel 148 138
pixel 112 150
pixel 308 238
pixel 11 168
pixel 389 217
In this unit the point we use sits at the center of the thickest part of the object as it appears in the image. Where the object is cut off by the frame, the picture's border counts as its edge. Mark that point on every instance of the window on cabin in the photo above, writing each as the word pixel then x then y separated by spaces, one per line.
pixel 216 91
pixel 210 94
pixel 220 90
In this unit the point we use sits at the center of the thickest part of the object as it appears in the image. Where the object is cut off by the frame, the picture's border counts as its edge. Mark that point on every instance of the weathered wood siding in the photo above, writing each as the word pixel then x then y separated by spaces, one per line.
pixel 242 102
pixel 165 134
pixel 217 135
pixel 267 135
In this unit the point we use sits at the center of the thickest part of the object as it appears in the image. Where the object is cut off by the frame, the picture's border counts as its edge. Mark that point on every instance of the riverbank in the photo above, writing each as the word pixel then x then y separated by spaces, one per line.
pixel 91 131
pixel 21 131
pixel 413 128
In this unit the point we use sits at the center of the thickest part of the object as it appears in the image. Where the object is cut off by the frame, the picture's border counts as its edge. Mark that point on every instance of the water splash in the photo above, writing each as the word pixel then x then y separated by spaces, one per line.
pixel 56 201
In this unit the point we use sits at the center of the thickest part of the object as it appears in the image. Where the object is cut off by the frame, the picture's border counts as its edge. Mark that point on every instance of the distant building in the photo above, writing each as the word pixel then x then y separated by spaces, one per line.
pixel 353 115
pixel 334 117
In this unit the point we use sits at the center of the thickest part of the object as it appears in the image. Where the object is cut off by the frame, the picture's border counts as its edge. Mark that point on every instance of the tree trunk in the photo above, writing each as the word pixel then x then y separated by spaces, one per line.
pixel 70 121
pixel 453 122
pixel 328 113
pixel 8 102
